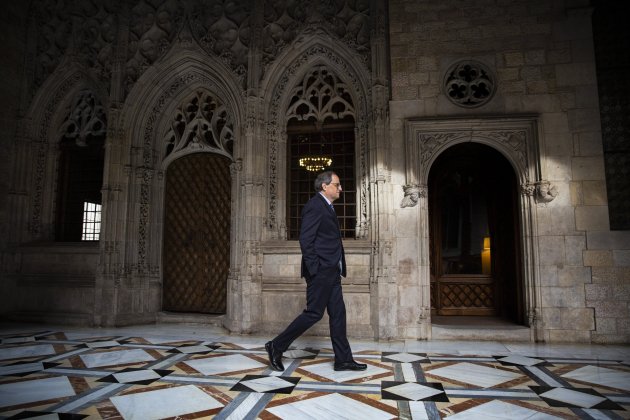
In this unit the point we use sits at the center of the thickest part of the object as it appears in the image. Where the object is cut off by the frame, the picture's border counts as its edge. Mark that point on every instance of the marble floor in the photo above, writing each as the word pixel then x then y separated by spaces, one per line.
pixel 190 372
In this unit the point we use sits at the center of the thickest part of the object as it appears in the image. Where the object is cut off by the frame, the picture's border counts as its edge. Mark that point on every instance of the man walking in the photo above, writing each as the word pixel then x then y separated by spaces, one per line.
pixel 323 265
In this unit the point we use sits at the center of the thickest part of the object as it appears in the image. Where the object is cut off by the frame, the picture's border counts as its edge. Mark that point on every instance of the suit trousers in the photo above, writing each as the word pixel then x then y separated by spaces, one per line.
pixel 323 292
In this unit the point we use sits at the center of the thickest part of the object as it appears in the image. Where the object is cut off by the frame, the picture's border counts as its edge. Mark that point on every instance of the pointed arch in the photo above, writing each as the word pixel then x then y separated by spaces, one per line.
pixel 185 75
pixel 47 114
pixel 277 88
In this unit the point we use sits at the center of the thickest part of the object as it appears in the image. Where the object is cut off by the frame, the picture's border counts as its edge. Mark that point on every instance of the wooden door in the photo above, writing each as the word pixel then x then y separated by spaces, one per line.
pixel 196 251
pixel 474 245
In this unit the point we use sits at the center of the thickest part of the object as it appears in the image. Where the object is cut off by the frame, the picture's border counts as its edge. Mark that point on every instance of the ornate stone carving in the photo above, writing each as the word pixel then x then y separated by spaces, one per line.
pixel 153 27
pixel 223 29
pixel 54 32
pixel 321 97
pixel 86 119
pixel 96 36
pixel 147 146
pixel 274 131
pixel 528 189
pixel 202 122
pixel 412 194
pixel 285 20
pixel 432 143
pixel 469 84
pixel 545 192
pixel 42 151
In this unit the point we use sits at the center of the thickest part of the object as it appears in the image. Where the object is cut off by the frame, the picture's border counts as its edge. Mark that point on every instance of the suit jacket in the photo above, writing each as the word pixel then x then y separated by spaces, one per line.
pixel 320 238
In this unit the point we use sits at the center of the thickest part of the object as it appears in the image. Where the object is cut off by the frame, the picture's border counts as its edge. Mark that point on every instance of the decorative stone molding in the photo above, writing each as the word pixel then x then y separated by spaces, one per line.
pixel 516 138
pixel 412 194
pixel 469 84
pixel 42 147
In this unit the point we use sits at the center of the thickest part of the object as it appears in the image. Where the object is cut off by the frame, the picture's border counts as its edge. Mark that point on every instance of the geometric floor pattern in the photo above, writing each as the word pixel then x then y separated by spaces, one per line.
pixel 114 374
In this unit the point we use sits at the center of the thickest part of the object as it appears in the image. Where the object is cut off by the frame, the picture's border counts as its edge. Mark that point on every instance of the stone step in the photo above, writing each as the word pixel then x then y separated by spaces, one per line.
pixel 190 318
pixel 479 329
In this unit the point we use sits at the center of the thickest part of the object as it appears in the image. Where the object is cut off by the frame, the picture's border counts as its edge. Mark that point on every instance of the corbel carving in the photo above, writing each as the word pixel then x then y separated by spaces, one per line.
pixel 412 193
pixel 545 192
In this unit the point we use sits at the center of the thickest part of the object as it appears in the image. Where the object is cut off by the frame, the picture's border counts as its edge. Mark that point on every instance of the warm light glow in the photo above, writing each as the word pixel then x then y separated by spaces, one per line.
pixel 315 163
pixel 486 264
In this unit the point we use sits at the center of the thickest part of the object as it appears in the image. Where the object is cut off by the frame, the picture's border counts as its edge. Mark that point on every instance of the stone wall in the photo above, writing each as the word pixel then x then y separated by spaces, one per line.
pixel 12 51
pixel 542 58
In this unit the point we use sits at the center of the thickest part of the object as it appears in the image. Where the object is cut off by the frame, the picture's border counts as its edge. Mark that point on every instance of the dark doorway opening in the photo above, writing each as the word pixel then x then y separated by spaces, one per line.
pixel 475 235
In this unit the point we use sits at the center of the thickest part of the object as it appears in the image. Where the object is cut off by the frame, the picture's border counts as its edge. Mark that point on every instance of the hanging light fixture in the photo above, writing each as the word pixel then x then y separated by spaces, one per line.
pixel 316 163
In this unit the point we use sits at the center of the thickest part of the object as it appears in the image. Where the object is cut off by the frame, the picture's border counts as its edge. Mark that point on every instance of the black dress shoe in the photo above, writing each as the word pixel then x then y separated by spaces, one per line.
pixel 350 366
pixel 275 358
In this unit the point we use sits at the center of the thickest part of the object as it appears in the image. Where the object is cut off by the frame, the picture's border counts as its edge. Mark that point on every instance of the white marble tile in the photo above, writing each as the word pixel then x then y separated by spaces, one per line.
pixel 474 374
pixel 18 340
pixel 99 344
pixel 36 390
pixel 162 403
pixel 21 368
pixel 23 352
pixel 222 364
pixel 242 410
pixel 327 371
pixel 405 357
pixel 418 411
pixel 601 376
pixel 413 391
pixel 118 357
pixel 520 360
pixel 194 349
pixel 267 383
pixel 573 397
pixel 136 375
pixel 297 354
pixel 500 410
pixel 331 406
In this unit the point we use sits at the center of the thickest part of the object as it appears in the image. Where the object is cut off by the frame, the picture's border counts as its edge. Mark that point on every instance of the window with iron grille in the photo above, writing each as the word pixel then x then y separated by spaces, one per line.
pixel 79 182
pixel 337 144
pixel 91 221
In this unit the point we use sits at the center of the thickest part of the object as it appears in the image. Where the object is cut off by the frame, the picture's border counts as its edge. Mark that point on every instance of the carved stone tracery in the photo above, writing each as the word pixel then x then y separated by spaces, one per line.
pixel 275 132
pixel 202 122
pixel 86 118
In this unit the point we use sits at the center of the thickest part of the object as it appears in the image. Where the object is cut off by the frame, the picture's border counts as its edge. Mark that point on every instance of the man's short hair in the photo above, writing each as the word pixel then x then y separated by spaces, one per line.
pixel 323 178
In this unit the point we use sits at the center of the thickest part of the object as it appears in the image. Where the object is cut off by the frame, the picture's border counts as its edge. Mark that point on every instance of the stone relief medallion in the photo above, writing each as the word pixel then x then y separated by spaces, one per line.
pixel 469 84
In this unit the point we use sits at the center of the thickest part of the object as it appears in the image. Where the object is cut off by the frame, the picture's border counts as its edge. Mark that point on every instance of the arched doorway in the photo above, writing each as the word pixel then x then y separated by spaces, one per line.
pixel 474 234
pixel 196 252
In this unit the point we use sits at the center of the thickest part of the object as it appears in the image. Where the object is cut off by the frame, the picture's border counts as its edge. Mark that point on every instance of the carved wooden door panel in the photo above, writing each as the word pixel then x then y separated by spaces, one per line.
pixel 196 251
pixel 473 233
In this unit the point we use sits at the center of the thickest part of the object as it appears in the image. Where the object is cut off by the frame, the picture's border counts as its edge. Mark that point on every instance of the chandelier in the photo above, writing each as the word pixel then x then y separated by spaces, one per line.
pixel 315 163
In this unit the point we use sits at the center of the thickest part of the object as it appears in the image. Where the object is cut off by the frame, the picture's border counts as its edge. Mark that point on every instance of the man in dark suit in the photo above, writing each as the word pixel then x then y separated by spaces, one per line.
pixel 323 264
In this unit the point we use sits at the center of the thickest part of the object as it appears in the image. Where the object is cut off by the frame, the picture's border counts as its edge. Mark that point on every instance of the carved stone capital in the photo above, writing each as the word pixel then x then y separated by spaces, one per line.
pixel 528 189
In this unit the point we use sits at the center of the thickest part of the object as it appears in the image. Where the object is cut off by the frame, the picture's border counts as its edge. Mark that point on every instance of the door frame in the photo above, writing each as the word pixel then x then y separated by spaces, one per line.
pixel 518 138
